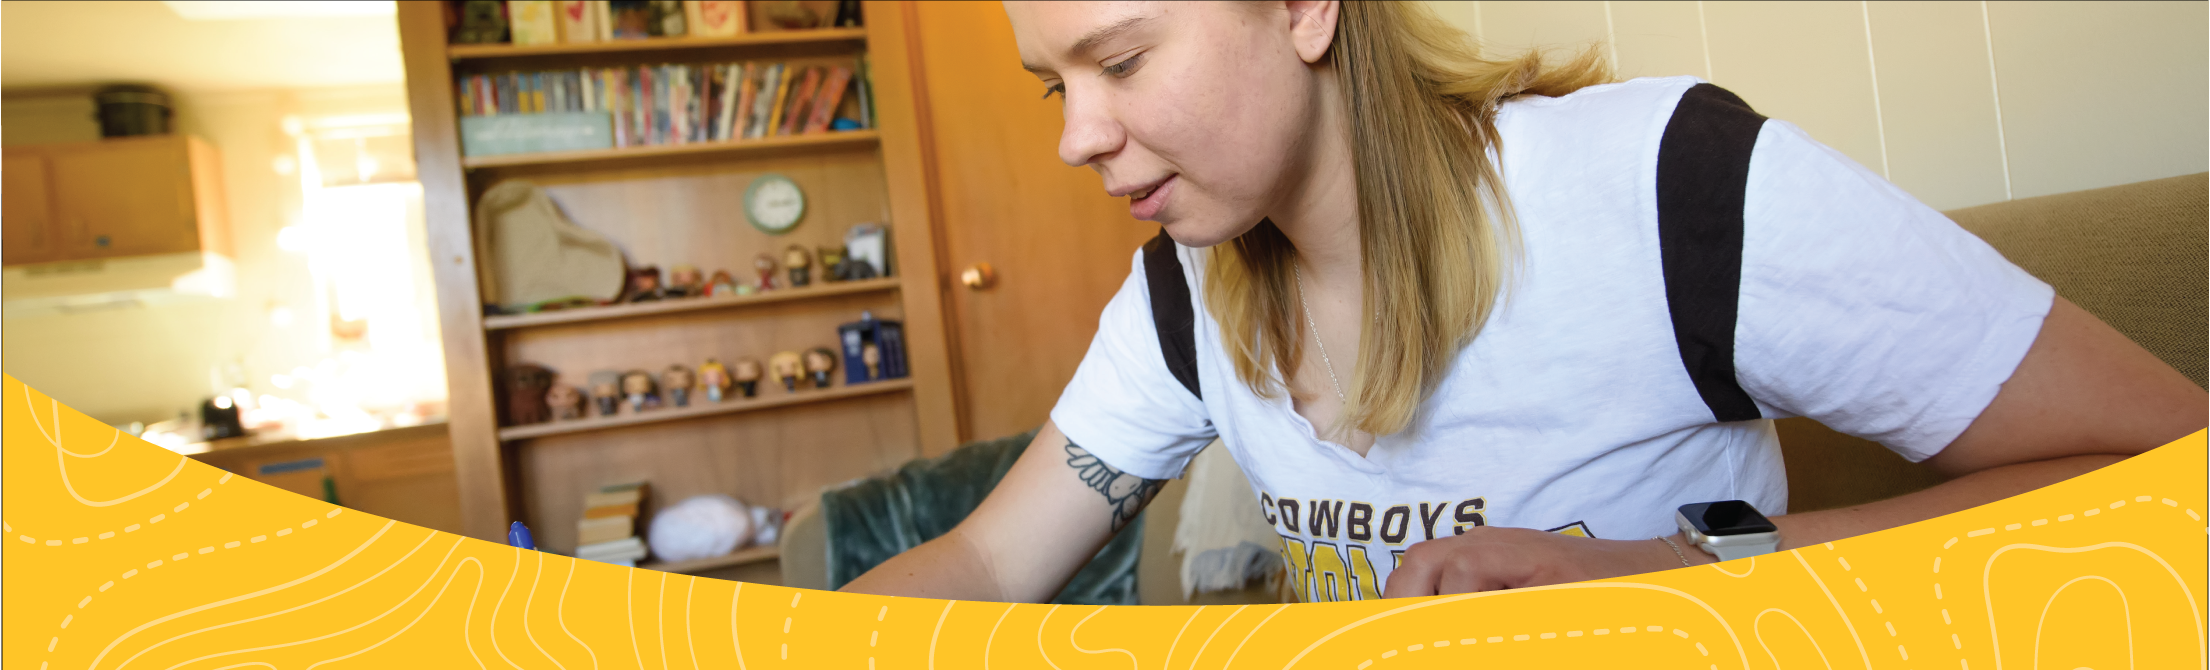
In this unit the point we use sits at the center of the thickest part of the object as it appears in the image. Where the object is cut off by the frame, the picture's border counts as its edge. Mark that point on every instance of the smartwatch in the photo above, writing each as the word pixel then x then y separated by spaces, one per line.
pixel 1728 529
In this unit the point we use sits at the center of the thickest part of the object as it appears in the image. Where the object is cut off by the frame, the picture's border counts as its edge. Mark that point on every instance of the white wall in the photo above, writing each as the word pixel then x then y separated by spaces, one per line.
pixel 1960 103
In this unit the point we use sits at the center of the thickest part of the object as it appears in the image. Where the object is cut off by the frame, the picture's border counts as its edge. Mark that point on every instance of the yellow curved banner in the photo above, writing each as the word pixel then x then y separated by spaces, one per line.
pixel 122 555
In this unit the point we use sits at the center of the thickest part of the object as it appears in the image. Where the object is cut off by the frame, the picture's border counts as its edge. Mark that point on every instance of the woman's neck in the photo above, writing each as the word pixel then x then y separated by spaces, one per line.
pixel 1319 214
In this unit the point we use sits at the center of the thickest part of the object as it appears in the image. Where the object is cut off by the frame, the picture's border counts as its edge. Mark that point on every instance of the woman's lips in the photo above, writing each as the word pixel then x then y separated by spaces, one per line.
pixel 1147 208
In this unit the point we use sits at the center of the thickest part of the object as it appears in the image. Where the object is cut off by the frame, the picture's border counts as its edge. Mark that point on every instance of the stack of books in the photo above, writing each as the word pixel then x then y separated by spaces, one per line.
pixel 684 103
pixel 608 531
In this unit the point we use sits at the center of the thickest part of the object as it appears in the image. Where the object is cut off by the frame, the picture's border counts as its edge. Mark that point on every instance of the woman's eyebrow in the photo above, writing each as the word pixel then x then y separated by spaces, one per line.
pixel 1096 37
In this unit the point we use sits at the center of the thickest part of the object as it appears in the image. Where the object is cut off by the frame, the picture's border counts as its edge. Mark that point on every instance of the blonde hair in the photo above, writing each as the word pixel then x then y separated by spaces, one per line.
pixel 1435 229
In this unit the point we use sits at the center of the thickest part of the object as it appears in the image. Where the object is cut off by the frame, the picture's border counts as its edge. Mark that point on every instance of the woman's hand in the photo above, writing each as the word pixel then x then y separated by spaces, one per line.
pixel 1493 558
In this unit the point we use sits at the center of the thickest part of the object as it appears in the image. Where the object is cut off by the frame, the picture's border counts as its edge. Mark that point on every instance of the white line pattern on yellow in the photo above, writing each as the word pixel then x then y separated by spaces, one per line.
pixel 2123 607
pixel 1757 629
pixel 532 600
pixel 561 615
pixel 465 560
pixel 239 598
pixel 1847 624
pixel 61 455
pixel 1987 569
pixel 379 573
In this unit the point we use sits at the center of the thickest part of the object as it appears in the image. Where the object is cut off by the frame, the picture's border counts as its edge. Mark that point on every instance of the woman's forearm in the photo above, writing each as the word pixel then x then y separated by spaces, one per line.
pixel 949 567
pixel 1966 492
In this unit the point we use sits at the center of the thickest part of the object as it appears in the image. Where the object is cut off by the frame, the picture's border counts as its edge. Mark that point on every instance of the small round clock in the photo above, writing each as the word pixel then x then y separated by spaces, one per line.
pixel 774 204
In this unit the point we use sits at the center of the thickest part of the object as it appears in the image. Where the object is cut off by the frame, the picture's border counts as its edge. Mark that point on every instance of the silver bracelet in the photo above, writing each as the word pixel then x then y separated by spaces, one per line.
pixel 1676 550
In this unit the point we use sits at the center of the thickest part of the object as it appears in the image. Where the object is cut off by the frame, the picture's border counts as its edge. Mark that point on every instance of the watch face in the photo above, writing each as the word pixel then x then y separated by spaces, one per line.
pixel 773 203
pixel 1726 517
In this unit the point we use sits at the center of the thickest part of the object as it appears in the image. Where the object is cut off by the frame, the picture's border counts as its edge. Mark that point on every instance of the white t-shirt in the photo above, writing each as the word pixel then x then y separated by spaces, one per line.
pixel 1571 411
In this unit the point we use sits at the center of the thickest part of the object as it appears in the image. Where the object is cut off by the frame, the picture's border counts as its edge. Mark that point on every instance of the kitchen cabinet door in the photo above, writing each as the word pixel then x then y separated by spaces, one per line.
pixel 27 232
pixel 125 198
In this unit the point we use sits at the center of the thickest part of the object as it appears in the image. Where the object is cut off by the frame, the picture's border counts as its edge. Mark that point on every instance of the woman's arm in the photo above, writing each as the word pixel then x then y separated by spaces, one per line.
pixel 1053 511
pixel 2083 397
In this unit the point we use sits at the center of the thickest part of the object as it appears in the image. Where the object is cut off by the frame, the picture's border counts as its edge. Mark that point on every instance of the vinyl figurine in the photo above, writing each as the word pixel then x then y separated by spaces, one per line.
pixel 819 362
pixel 765 264
pixel 800 263
pixel 722 285
pixel 684 282
pixel 566 402
pixel 872 356
pixel 714 378
pixel 790 16
pixel 787 367
pixel 606 391
pixel 525 394
pixel 481 22
pixel 637 385
pixel 644 284
pixel 832 263
pixel 678 380
pixel 747 376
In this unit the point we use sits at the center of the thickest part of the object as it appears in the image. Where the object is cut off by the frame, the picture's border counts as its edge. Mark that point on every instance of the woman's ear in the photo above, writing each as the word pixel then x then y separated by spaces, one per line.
pixel 1312 27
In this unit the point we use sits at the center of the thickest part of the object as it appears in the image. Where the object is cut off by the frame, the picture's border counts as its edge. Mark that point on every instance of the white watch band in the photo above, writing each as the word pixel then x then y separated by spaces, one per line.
pixel 1728 552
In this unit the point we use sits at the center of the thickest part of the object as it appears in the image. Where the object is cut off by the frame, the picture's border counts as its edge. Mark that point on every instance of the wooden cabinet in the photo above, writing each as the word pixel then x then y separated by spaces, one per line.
pixel 672 204
pixel 27 231
pixel 115 198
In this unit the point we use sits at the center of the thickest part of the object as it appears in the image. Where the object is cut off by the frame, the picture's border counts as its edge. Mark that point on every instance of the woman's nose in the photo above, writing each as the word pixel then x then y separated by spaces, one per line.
pixel 1091 133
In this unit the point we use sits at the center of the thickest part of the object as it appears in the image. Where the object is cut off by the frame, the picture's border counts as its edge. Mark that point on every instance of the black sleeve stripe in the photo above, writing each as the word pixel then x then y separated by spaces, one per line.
pixel 1703 169
pixel 1171 311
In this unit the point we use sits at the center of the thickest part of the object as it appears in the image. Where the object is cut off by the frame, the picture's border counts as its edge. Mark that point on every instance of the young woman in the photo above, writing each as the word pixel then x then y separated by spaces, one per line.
pixel 1477 324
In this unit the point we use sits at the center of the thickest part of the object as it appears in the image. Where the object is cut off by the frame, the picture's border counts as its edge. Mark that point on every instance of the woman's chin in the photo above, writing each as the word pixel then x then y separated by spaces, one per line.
pixel 1201 232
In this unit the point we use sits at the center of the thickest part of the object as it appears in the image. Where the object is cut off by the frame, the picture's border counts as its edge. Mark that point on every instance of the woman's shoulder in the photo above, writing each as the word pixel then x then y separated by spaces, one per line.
pixel 1574 136
pixel 1618 96
pixel 1636 105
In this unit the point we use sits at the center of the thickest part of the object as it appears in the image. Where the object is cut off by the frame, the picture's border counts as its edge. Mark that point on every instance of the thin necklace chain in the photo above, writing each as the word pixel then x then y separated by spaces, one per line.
pixel 1315 326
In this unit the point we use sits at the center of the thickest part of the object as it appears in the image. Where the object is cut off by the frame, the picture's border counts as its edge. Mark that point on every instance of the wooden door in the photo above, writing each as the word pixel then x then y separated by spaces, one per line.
pixel 1058 245
pixel 125 198
pixel 26 212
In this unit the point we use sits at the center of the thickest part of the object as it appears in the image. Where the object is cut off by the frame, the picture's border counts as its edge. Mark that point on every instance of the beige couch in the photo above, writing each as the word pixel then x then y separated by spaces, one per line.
pixel 2133 255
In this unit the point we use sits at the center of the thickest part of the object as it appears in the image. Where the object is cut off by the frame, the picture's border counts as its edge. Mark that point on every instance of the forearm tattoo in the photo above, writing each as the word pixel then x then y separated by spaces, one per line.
pixel 1125 492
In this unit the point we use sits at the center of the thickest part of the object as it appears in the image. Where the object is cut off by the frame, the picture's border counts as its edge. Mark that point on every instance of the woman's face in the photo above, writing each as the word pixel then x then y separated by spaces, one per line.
pixel 1199 113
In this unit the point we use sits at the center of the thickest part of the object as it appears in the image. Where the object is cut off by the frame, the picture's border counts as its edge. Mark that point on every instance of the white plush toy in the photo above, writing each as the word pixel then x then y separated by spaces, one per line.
pixel 700 527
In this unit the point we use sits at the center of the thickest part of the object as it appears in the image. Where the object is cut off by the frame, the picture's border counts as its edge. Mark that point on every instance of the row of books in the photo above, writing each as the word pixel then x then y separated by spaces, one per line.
pixel 608 531
pixel 685 103
pixel 573 21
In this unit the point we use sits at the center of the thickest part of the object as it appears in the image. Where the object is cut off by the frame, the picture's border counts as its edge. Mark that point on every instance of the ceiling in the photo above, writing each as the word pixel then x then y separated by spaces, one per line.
pixel 63 44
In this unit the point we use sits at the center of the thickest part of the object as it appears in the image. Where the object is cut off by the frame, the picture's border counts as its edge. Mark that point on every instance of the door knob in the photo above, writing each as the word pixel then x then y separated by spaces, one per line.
pixel 978 276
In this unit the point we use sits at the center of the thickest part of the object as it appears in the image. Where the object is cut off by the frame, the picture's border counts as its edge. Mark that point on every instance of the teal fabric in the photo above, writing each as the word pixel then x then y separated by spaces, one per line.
pixel 874 519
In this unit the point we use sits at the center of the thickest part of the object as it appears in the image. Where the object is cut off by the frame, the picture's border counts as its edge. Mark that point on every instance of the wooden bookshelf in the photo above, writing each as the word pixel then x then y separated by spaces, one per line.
pixel 769 398
pixel 745 556
pixel 679 305
pixel 681 204
pixel 822 36
pixel 729 149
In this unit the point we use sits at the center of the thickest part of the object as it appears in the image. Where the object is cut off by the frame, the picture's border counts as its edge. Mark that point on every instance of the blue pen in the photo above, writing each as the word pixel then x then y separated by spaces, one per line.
pixel 518 535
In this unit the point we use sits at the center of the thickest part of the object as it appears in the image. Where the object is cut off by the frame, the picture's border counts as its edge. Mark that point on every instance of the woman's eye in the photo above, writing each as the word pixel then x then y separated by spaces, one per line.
pixel 1060 89
pixel 1125 67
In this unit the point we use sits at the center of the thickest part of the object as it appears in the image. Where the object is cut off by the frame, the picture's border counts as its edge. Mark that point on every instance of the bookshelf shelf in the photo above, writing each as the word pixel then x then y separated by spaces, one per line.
pixel 820 36
pixel 734 558
pixel 679 305
pixel 770 398
pixel 762 146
